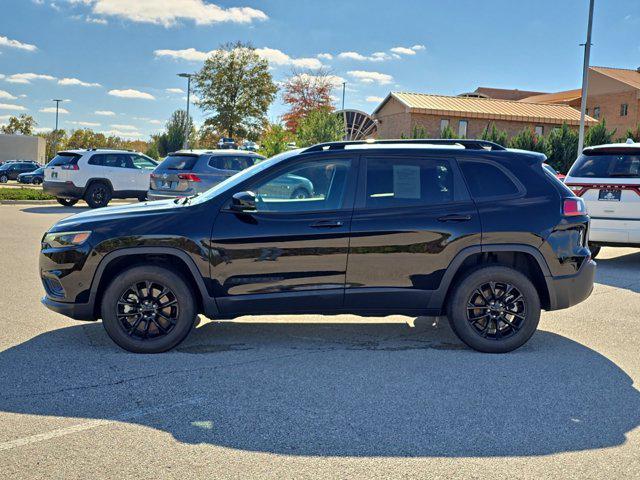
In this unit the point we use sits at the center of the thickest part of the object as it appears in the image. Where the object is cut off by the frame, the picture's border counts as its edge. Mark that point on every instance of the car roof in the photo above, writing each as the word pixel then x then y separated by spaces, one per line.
pixel 629 144
pixel 214 151
pixel 82 151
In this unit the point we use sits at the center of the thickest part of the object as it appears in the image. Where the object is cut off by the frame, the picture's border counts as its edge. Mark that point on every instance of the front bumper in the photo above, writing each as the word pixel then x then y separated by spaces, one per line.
pixel 77 311
pixel 63 190
pixel 569 290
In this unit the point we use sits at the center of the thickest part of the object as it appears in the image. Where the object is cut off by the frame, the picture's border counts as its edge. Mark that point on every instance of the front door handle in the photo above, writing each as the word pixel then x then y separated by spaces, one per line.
pixel 454 218
pixel 327 224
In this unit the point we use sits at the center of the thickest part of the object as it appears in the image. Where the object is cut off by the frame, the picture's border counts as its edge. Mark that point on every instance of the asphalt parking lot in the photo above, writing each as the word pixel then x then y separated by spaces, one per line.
pixel 302 397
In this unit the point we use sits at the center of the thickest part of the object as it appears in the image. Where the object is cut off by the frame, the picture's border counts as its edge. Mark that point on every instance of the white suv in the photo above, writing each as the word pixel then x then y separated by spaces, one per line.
pixel 97 176
pixel 607 177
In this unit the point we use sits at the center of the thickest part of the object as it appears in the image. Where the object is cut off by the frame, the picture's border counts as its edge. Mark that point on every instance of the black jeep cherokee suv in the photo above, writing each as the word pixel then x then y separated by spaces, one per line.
pixel 464 228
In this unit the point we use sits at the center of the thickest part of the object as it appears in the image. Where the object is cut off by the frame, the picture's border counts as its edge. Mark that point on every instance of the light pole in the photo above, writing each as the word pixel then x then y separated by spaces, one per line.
pixel 344 86
pixel 55 132
pixel 188 76
pixel 585 79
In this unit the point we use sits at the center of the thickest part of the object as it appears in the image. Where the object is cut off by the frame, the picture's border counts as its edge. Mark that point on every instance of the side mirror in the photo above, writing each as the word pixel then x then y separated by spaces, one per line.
pixel 243 202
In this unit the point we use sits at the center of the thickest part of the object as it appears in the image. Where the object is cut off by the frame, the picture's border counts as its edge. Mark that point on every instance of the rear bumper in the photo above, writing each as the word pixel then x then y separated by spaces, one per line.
pixel 566 291
pixel 614 231
pixel 63 189
pixel 163 195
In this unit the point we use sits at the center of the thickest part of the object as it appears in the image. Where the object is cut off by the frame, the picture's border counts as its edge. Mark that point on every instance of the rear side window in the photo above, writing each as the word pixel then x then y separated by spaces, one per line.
pixel 607 166
pixel 392 182
pixel 64 159
pixel 179 162
pixel 486 180
pixel 231 162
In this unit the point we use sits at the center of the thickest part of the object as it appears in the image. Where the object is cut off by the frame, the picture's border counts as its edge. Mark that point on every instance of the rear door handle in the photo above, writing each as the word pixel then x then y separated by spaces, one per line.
pixel 328 224
pixel 454 218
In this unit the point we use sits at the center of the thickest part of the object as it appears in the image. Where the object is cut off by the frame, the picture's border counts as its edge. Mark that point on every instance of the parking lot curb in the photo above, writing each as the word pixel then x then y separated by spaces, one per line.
pixel 47 202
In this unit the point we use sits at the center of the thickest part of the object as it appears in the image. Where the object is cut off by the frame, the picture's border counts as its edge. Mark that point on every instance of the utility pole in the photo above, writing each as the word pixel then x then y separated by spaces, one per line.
pixel 585 79
pixel 344 86
pixel 188 76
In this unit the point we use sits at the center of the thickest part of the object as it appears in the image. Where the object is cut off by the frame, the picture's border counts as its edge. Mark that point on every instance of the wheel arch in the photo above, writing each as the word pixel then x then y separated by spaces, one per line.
pixel 93 180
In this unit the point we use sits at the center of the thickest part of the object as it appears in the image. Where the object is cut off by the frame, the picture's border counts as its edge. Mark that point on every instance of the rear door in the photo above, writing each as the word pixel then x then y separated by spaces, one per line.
pixel 412 216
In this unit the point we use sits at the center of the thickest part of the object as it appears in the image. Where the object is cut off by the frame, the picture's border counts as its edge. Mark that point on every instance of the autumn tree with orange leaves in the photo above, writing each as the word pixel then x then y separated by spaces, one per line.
pixel 304 92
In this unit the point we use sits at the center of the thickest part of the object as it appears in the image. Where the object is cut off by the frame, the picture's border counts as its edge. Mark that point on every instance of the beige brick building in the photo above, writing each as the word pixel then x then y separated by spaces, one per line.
pixel 400 112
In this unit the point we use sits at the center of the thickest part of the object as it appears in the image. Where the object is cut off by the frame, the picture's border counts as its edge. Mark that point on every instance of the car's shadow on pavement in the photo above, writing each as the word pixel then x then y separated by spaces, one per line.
pixel 54 209
pixel 621 272
pixel 332 389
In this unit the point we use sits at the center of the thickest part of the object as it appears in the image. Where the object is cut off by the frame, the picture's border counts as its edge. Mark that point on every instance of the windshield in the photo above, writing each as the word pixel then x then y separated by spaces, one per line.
pixel 607 166
pixel 244 175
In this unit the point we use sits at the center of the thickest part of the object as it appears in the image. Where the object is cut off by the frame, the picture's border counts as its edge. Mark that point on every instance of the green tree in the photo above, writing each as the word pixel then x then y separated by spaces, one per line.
pixel 632 134
pixel 599 135
pixel 56 140
pixel 562 148
pixel 494 135
pixel 172 139
pixel 528 140
pixel 235 87
pixel 22 125
pixel 320 126
pixel 447 132
pixel 274 140
pixel 419 132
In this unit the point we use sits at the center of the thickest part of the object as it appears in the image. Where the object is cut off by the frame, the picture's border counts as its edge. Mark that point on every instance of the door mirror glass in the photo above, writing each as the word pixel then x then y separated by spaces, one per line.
pixel 243 202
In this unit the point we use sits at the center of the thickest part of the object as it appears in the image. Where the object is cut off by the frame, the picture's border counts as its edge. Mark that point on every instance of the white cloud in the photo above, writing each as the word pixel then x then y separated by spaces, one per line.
pixel 371 77
pixel 374 57
pixel 325 56
pixel 84 124
pixel 155 122
pixel 7 42
pixel 131 93
pixel 119 126
pixel 189 54
pixel 42 129
pixel 403 51
pixel 120 133
pixel 174 90
pixel 6 95
pixel 75 81
pixel 61 111
pixel 374 99
pixel 169 12
pixel 105 113
pixel 99 21
pixel 27 77
pixel 11 106
pixel 418 47
pixel 334 80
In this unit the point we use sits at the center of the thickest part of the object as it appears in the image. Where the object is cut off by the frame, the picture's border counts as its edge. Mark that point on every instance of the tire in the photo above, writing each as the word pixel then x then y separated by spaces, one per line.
pixel 476 327
pixel 595 250
pixel 146 336
pixel 4 179
pixel 67 202
pixel 36 180
pixel 98 195
pixel 300 193
pixel 142 198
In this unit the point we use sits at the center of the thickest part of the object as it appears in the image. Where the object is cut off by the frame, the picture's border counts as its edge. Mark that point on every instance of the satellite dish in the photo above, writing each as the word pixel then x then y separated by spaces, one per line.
pixel 358 124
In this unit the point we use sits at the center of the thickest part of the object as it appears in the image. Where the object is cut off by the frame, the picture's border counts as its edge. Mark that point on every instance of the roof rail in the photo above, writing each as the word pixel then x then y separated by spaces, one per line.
pixel 468 144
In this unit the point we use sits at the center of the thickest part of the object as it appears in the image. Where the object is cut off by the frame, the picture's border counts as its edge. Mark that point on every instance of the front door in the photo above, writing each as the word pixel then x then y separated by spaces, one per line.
pixel 413 215
pixel 290 255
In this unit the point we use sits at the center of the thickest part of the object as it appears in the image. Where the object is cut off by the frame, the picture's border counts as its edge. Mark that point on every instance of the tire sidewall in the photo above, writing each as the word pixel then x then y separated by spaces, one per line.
pixel 182 291
pixel 457 309
pixel 89 195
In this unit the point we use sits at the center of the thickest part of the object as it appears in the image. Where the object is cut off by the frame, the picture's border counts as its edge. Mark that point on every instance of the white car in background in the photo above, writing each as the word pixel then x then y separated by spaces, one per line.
pixel 607 177
pixel 97 176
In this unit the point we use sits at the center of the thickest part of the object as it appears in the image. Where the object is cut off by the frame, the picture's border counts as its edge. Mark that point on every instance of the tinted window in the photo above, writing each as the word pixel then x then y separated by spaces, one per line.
pixel 64 159
pixel 394 182
pixel 179 162
pixel 312 186
pixel 112 160
pixel 607 166
pixel 232 162
pixel 487 180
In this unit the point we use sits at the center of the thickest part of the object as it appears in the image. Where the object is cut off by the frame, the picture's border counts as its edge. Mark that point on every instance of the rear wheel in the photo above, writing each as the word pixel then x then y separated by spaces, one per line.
pixel 98 195
pixel 36 180
pixel 148 309
pixel 4 179
pixel 494 309
pixel 67 202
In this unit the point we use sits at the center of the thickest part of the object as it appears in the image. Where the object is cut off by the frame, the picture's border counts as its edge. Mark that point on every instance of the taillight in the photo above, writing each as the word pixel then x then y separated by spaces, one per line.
pixel 192 177
pixel 70 167
pixel 572 207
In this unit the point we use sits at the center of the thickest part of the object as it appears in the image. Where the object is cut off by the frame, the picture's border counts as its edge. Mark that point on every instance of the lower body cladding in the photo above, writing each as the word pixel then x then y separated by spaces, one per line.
pixel 63 190
pixel 614 231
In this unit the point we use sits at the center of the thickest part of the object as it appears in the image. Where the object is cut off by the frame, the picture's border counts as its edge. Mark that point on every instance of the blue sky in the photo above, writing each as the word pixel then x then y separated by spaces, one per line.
pixel 116 61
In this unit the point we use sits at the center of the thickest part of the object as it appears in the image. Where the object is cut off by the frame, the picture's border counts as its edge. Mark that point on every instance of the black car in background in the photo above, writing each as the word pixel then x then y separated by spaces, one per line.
pixel 36 177
pixel 465 228
pixel 11 170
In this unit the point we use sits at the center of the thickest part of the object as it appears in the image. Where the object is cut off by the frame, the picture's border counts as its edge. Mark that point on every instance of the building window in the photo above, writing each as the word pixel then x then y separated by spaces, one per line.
pixel 539 130
pixel 444 123
pixel 462 128
pixel 596 112
pixel 624 108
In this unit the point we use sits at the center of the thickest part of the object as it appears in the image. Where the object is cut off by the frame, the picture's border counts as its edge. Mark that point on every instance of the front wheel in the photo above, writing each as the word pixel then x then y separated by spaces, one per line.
pixel 67 202
pixel 494 309
pixel 148 309
pixel 300 194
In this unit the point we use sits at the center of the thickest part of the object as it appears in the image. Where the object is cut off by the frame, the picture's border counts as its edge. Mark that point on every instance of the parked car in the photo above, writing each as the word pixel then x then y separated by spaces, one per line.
pixel 426 227
pixel 36 177
pixel 97 176
pixel 552 170
pixel 188 172
pixel 607 177
pixel 227 143
pixel 250 146
pixel 11 170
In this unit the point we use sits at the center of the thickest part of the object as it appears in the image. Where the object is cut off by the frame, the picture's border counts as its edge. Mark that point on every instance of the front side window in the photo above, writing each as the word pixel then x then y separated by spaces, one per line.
pixel 142 163
pixel 486 180
pixel 318 185
pixel 393 182
pixel 462 128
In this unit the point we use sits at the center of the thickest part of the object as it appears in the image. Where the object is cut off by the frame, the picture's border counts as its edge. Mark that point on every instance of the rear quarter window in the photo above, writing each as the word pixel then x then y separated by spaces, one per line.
pixel 486 180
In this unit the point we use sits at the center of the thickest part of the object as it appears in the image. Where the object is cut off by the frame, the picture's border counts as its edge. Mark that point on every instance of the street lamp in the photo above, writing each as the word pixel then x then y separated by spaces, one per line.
pixel 57 100
pixel 585 79
pixel 344 87
pixel 188 76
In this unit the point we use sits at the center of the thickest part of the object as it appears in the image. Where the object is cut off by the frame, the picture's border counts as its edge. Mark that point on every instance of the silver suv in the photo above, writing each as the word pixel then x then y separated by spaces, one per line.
pixel 188 172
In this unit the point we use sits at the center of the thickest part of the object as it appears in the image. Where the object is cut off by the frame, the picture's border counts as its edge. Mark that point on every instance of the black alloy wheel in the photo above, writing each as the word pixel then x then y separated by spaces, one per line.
pixel 496 310
pixel 147 310
pixel 98 195
pixel 4 179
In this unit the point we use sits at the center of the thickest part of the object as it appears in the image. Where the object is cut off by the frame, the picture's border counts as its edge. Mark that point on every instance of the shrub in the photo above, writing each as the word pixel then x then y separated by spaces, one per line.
pixel 598 135
pixel 528 140
pixel 320 126
pixel 447 132
pixel 562 148
pixel 24 194
pixel 494 135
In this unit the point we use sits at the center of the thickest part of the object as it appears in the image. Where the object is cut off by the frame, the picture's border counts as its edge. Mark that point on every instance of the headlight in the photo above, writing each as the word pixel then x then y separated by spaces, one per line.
pixel 65 239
